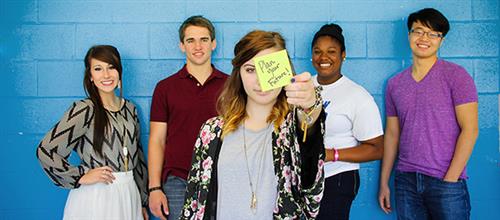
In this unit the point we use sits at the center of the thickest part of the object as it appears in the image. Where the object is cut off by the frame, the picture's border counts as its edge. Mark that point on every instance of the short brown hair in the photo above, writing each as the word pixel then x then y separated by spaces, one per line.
pixel 199 21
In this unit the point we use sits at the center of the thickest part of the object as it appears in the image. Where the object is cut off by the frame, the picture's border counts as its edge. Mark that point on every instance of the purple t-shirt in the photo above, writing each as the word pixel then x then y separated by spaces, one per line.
pixel 426 114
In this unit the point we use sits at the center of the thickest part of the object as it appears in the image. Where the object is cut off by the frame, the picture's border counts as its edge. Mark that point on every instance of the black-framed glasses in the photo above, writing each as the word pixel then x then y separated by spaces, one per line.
pixel 430 34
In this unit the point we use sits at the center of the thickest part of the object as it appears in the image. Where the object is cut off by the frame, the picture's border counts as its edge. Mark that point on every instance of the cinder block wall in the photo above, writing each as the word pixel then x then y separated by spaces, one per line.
pixel 43 42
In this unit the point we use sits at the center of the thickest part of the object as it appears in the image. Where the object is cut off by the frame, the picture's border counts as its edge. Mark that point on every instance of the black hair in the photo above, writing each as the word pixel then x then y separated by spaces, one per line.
pixel 431 18
pixel 332 30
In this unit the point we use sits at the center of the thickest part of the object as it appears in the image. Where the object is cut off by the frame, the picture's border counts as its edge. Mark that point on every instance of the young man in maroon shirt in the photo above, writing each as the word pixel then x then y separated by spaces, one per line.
pixel 180 105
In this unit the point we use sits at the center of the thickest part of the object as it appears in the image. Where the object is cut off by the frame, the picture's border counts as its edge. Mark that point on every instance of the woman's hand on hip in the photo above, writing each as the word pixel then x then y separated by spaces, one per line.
pixel 98 175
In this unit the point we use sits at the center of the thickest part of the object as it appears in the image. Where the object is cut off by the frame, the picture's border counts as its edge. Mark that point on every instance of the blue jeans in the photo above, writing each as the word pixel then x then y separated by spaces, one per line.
pixel 175 189
pixel 419 196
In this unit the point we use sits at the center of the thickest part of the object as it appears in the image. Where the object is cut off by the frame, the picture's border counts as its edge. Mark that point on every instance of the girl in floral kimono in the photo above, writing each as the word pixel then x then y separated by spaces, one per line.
pixel 262 157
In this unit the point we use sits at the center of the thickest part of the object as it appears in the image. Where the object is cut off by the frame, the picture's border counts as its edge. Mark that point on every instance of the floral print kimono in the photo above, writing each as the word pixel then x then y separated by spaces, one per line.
pixel 298 168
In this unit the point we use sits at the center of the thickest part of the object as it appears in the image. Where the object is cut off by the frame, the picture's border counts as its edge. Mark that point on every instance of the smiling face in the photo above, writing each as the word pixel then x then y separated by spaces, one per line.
pixel 197 45
pixel 104 76
pixel 255 95
pixel 423 46
pixel 327 56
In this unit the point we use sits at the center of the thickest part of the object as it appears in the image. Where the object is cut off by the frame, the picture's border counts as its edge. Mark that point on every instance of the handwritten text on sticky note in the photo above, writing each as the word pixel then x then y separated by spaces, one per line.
pixel 273 70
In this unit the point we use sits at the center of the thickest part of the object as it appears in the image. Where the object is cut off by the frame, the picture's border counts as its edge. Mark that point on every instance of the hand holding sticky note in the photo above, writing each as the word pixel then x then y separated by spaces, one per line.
pixel 273 70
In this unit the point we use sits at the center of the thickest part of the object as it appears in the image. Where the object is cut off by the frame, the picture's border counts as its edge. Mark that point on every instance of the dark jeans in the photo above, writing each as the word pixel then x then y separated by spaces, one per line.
pixel 175 190
pixel 419 196
pixel 340 191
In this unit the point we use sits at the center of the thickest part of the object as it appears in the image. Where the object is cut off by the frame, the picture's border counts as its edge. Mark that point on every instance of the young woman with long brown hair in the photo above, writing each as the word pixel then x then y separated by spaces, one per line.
pixel 251 162
pixel 110 181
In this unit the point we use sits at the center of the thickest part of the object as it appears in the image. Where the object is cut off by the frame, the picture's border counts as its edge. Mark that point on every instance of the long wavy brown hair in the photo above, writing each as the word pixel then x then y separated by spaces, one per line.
pixel 233 99
pixel 108 54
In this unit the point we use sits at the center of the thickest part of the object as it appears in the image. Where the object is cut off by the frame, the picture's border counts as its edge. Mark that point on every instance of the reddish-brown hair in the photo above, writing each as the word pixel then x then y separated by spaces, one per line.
pixel 233 99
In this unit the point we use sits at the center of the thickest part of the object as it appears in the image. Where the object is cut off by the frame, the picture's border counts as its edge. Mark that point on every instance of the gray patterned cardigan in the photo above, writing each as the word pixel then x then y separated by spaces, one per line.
pixel 74 132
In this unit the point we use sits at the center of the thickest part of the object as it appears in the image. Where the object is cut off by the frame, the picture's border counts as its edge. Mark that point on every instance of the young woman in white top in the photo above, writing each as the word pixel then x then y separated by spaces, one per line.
pixel 354 131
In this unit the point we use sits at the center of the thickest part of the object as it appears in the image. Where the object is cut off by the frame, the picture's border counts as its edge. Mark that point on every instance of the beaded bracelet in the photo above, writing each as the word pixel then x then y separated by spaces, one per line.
pixel 317 103
pixel 306 113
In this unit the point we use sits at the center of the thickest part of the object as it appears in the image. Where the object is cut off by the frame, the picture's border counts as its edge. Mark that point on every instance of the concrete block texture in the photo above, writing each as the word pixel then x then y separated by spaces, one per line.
pixel 130 39
pixel 43 44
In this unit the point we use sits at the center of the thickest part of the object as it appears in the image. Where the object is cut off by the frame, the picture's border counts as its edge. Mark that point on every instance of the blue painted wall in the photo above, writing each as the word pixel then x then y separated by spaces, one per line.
pixel 43 42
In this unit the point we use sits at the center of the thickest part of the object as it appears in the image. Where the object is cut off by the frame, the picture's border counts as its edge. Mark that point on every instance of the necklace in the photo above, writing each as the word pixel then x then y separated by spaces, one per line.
pixel 124 147
pixel 125 155
pixel 253 200
pixel 112 107
pixel 114 114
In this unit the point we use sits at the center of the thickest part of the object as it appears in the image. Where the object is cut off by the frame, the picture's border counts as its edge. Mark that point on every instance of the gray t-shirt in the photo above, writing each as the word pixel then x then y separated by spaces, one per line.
pixel 234 192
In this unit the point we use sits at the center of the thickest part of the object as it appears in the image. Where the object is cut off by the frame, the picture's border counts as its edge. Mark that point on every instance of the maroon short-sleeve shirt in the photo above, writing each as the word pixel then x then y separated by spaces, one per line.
pixel 184 104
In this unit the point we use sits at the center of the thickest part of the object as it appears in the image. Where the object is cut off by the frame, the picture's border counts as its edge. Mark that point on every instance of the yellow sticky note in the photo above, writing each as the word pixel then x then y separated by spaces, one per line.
pixel 273 70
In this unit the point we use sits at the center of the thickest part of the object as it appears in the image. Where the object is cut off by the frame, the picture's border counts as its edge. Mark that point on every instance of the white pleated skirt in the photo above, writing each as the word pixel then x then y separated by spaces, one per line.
pixel 120 200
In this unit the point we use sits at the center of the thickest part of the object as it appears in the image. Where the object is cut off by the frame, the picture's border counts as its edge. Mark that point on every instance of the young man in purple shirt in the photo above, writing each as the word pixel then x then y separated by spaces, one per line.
pixel 181 103
pixel 432 122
